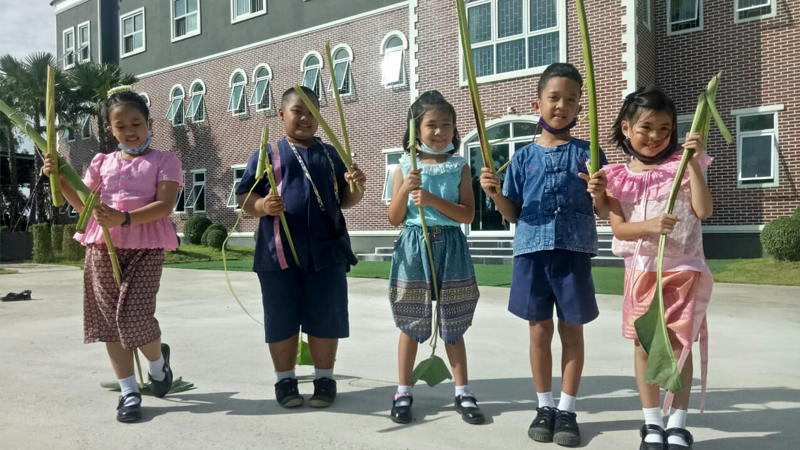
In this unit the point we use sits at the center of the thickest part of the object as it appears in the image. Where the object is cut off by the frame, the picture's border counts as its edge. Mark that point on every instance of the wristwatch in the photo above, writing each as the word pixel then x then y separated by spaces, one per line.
pixel 127 222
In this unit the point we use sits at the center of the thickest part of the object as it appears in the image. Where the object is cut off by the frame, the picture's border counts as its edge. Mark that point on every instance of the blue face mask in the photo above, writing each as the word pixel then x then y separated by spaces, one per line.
pixel 138 150
pixel 425 149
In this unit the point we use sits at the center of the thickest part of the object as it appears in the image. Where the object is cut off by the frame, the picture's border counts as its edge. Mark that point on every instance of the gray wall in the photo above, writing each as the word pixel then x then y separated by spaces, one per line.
pixel 218 34
pixel 71 18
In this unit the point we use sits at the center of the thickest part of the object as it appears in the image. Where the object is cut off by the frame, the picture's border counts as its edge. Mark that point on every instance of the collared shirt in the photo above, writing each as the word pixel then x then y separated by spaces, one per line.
pixel 557 212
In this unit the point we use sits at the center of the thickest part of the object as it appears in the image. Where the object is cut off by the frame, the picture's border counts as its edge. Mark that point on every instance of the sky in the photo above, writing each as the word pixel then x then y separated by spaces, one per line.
pixel 28 26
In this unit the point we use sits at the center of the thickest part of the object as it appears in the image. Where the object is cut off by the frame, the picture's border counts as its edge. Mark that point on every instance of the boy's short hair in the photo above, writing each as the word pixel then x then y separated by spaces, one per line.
pixel 291 92
pixel 554 70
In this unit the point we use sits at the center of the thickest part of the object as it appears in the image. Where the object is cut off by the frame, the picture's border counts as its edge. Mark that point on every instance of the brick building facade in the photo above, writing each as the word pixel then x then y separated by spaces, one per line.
pixel 195 49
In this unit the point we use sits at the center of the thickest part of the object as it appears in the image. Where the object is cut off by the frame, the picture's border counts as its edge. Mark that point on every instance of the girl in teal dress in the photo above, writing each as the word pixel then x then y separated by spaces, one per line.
pixel 443 185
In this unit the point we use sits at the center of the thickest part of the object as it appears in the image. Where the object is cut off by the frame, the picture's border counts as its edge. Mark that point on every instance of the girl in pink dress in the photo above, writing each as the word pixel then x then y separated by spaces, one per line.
pixel 638 191
pixel 138 188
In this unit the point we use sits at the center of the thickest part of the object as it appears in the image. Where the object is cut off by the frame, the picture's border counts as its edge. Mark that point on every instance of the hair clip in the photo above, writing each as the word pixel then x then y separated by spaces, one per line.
pixel 122 88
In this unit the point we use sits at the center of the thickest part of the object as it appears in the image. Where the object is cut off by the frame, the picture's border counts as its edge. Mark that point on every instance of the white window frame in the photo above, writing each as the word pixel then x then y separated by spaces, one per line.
pixel 348 71
pixel 146 98
pixel 236 182
pixel 193 197
pixel 122 37
pixel 700 19
pixel 561 27
pixel 647 13
pixel 304 68
pixel 69 52
pixel 176 105
pixel 772 181
pixel 181 194
pixel 267 90
pixel 242 96
pixel 386 197
pixel 736 10
pixel 387 52
pixel 201 103
pixel 80 45
pixel 86 124
pixel 248 16
pixel 185 16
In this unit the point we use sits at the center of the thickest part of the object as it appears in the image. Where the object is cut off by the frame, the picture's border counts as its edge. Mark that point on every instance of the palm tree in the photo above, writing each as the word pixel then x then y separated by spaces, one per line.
pixel 26 84
pixel 9 189
pixel 92 82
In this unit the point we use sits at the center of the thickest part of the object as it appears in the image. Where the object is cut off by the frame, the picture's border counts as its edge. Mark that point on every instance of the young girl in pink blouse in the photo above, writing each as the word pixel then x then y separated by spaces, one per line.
pixel 138 187
pixel 646 131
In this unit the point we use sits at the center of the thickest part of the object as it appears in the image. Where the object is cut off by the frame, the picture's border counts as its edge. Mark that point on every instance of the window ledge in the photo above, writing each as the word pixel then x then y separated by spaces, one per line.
pixel 246 17
pixel 186 36
pixel 135 52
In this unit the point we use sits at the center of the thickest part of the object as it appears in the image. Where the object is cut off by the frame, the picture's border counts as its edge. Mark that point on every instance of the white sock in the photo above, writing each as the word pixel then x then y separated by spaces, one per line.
pixel 546 399
pixel 567 402
pixel 156 369
pixel 403 395
pixel 323 373
pixel 677 419
pixel 464 392
pixel 284 375
pixel 653 416
pixel 129 386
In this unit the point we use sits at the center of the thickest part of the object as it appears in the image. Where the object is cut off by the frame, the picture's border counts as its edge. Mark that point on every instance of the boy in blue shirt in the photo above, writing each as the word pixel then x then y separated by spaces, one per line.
pixel 545 193
pixel 312 187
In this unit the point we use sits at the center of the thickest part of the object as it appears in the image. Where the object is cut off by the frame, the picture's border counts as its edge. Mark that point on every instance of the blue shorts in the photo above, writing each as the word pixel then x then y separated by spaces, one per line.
pixel 315 302
pixel 561 277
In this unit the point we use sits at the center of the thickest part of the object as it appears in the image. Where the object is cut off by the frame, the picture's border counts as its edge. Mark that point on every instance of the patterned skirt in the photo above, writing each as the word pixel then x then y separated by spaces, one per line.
pixel 123 314
pixel 411 288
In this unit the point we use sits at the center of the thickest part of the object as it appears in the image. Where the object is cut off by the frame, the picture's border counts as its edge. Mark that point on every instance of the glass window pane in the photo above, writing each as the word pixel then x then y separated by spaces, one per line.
pixel 487 217
pixel 757 157
pixel 128 44
pixel 191 23
pixel 200 202
pixel 511 56
pixel 340 71
pixel 393 158
pixel 180 8
pixel 310 78
pixel 199 177
pixel 84 35
pixel 138 40
pixel 342 53
pixel 509 18
pixel 258 92
pixel 543 49
pixel 394 41
pixel 138 21
pixel 256 5
pixel 524 129
pixel 242 7
pixel 484 60
pixel 236 96
pixel 392 69
pixel 479 19
pixel 683 128
pixel 498 132
pixel 127 25
pixel 542 14
pixel 180 27
pixel 238 78
pixel 755 123
pixel 191 6
pixel 262 72
pixel 519 145
pixel 312 61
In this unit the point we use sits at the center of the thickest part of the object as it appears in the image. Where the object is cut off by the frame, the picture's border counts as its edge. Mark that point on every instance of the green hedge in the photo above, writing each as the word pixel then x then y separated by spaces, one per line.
pixel 73 250
pixel 57 239
pixel 194 228
pixel 208 232
pixel 216 238
pixel 781 239
pixel 42 243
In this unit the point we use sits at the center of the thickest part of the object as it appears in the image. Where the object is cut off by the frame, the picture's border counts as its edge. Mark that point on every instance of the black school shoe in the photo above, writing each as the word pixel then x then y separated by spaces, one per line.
pixel 287 394
pixel 565 430
pixel 541 429
pixel 402 413
pixel 128 414
pixel 161 388
pixel 652 429
pixel 470 414
pixel 324 393
pixel 682 433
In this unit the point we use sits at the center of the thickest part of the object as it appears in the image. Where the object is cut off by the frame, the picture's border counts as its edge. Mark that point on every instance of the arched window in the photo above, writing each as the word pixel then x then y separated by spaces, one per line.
pixel 393 70
pixel 342 68
pixel 262 92
pixel 312 65
pixel 237 105
pixel 197 105
pixel 175 113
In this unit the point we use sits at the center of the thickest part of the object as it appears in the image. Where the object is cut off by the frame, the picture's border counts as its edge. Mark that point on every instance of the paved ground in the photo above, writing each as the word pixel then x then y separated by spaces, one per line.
pixel 51 397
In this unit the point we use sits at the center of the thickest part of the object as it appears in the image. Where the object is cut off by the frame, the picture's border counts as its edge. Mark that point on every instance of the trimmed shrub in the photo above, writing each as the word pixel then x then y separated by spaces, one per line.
pixel 194 228
pixel 57 239
pixel 42 243
pixel 72 249
pixel 216 238
pixel 781 239
pixel 208 231
pixel 796 214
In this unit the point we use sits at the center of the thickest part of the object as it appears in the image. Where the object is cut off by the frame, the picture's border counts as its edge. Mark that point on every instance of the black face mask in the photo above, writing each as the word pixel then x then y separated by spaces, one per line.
pixel 649 160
